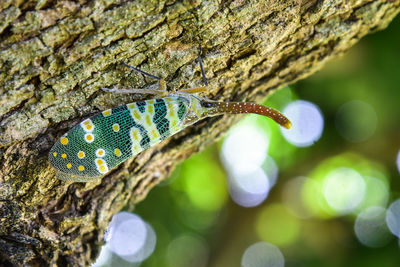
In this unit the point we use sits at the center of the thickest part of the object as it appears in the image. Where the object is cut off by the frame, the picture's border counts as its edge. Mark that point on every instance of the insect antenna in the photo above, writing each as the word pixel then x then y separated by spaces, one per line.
pixel 163 86
pixel 142 72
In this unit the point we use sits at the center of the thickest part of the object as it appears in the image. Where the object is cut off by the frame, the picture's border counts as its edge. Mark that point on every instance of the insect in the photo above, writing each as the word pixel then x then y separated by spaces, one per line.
pixel 102 142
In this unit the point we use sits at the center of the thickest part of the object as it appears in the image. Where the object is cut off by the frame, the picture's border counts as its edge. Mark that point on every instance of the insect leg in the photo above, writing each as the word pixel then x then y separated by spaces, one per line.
pixel 162 91
pixel 202 68
pixel 201 89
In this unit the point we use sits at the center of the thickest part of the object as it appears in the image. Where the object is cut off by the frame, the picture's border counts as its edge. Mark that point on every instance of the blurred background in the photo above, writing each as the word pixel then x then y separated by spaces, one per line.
pixel 326 193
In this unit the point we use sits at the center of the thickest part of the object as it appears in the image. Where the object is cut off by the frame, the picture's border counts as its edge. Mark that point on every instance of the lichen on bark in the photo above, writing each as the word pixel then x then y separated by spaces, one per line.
pixel 55 56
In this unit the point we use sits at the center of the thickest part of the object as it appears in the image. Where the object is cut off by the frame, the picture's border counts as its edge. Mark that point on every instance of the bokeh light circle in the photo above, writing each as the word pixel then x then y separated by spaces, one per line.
pixel 393 218
pixel 343 189
pixel 129 237
pixel 249 189
pixel 244 156
pixel 370 227
pixel 356 121
pixel 343 184
pixel 244 149
pixel 147 249
pixel 263 254
pixel 307 123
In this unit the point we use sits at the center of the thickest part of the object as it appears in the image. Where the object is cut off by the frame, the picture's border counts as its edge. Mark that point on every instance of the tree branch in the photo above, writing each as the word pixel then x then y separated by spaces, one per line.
pixel 55 57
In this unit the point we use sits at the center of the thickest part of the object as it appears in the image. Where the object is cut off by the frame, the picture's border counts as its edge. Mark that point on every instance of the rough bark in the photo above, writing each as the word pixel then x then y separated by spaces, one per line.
pixel 54 57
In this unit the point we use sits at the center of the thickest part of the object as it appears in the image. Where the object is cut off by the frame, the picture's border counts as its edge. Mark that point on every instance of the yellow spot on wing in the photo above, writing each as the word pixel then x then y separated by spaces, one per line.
pixel 155 134
pixel 150 108
pixel 64 156
pixel 107 112
pixel 131 105
pixel 102 169
pixel 171 112
pixel 89 137
pixel 81 168
pixel 87 125
pixel 136 114
pixel 101 166
pixel 55 154
pixel 69 165
pixel 64 141
pixel 148 120
pixel 81 154
pixel 100 152
pixel 115 127
pixel 117 152
pixel 134 134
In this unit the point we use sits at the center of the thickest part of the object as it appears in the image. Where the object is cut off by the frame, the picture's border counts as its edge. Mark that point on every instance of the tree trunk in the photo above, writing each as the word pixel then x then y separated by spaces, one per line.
pixel 54 57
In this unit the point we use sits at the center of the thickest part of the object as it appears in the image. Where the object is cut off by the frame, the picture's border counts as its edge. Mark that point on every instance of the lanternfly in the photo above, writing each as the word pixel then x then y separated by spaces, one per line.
pixel 100 143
